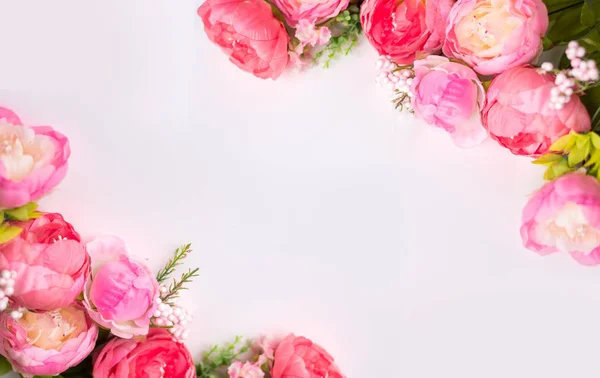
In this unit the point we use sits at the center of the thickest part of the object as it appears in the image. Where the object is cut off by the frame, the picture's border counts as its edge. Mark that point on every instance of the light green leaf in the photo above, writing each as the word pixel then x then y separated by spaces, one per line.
pixel 580 153
pixel 5 366
pixel 7 233
pixel 595 138
pixel 593 159
pixel 22 213
pixel 547 159
pixel 558 170
pixel 564 143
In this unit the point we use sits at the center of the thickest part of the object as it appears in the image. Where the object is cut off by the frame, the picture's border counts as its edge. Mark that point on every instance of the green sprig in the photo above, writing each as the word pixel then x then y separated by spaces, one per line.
pixel 177 286
pixel 180 254
pixel 348 27
pixel 571 153
pixel 217 359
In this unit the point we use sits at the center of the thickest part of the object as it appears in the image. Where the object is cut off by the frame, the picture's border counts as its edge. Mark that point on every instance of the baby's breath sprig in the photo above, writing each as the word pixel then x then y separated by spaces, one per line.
pixel 180 254
pixel 217 359
pixel 346 29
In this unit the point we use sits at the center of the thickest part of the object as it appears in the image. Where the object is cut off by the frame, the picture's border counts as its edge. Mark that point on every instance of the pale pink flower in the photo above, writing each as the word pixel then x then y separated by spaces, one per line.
pixel 564 215
pixel 449 95
pixel 121 293
pixel 47 343
pixel 245 370
pixel 33 160
pixel 494 35
pixel 50 261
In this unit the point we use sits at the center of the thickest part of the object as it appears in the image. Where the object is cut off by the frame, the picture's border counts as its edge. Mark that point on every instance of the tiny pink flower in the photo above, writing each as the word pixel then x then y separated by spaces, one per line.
pixel 308 34
pixel 246 370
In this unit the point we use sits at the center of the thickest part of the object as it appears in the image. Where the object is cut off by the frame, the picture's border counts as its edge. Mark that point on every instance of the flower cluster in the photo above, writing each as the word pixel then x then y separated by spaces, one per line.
pixel 483 83
pixel 263 38
pixel 573 81
pixel 56 291
pixel 291 356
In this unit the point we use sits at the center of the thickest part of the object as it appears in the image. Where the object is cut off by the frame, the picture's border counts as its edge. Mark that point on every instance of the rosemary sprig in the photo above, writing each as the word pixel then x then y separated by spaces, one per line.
pixel 173 263
pixel 177 286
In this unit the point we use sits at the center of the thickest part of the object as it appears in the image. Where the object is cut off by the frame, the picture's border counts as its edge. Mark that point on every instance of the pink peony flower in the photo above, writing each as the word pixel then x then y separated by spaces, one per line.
pixel 299 357
pixel 33 160
pixel 47 343
pixel 248 33
pixel 120 294
pixel 405 29
pixel 315 11
pixel 159 355
pixel 564 215
pixel 495 35
pixel 519 116
pixel 449 95
pixel 50 261
pixel 307 33
pixel 245 370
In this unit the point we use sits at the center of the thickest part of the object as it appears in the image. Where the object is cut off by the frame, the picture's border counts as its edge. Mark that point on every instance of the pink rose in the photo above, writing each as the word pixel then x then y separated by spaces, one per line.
pixel 449 95
pixel 159 355
pixel 494 35
pixel 519 116
pixel 47 343
pixel 405 29
pixel 299 357
pixel 245 370
pixel 564 215
pixel 50 261
pixel 33 160
pixel 248 33
pixel 316 11
pixel 120 293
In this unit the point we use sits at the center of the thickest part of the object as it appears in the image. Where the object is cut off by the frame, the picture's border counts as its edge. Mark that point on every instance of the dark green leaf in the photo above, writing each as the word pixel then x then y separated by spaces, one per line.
pixel 591 100
pixel 590 14
pixel 547 43
pixel 5 366
pixel 566 26
pixel 558 5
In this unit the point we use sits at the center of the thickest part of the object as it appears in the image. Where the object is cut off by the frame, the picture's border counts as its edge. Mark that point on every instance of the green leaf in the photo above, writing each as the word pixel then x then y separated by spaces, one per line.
pixel 22 213
pixel 7 233
pixel 5 366
pixel 580 153
pixel 594 159
pixel 595 138
pixel 560 169
pixel 590 14
pixel 558 5
pixel 591 100
pixel 564 143
pixel 566 26
pixel 548 159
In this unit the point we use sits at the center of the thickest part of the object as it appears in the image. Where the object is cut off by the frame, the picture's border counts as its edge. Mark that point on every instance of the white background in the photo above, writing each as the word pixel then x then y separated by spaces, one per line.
pixel 312 206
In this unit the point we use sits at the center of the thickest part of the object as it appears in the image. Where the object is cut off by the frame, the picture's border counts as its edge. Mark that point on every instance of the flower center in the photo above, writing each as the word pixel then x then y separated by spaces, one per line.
pixel 569 230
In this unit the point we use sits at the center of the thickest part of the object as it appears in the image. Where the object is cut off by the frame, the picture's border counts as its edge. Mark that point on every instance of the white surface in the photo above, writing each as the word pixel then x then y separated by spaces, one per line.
pixel 311 207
